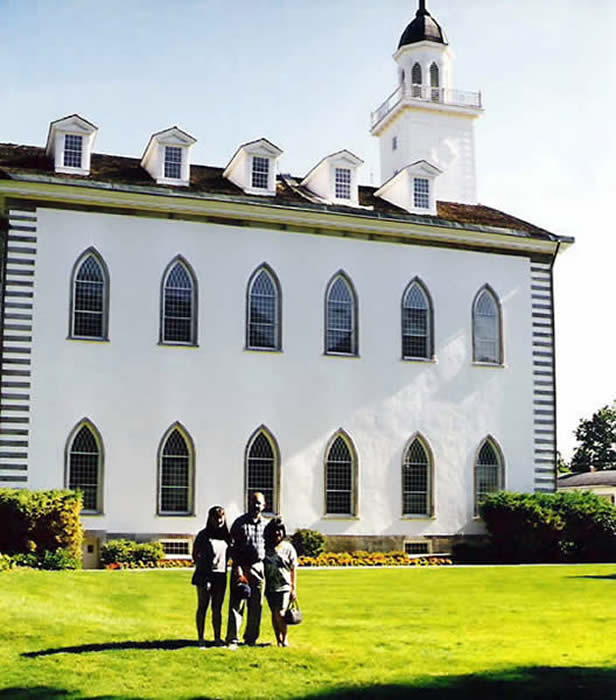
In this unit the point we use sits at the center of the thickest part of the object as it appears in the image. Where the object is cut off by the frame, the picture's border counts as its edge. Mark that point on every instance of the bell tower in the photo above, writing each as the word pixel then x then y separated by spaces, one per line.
pixel 425 118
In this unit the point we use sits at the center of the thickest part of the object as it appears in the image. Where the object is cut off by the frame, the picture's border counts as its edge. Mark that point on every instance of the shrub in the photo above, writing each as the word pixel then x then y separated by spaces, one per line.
pixel 577 526
pixel 40 520
pixel 372 559
pixel 6 562
pixel 309 543
pixel 59 560
pixel 128 552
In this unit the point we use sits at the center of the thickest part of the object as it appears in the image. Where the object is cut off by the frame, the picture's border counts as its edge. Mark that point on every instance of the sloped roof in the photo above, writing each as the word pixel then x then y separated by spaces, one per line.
pixel 422 28
pixel 31 161
pixel 605 477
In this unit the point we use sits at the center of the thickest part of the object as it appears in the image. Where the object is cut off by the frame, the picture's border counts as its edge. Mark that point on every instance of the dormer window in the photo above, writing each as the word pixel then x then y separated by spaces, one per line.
pixel 260 172
pixel 253 167
pixel 343 183
pixel 334 179
pixel 412 188
pixel 167 157
pixel 173 162
pixel 421 192
pixel 70 143
pixel 73 147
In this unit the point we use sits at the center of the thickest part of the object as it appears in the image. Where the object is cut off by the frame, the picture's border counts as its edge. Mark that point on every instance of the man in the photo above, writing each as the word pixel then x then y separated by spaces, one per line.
pixel 247 552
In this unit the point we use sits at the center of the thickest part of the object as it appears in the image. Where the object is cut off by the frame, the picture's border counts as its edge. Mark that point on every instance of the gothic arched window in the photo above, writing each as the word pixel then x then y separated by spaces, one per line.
pixel 176 465
pixel 84 469
pixel 487 330
pixel 340 317
pixel 417 322
pixel 435 83
pixel 179 304
pixel 263 310
pixel 417 480
pixel 89 297
pixel 262 469
pixel 341 477
pixel 489 471
pixel 416 80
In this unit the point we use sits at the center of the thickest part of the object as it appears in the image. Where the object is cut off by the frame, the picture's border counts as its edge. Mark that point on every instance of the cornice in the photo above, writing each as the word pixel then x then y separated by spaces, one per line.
pixel 367 225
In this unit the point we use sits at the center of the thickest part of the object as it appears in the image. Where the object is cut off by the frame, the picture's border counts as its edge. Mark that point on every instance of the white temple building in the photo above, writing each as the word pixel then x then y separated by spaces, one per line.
pixel 374 359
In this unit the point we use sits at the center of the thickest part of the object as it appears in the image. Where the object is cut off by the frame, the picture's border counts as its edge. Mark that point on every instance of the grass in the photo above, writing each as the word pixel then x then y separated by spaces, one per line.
pixel 426 634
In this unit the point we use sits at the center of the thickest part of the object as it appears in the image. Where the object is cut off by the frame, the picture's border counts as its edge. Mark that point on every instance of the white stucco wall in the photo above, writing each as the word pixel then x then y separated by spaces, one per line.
pixel 133 389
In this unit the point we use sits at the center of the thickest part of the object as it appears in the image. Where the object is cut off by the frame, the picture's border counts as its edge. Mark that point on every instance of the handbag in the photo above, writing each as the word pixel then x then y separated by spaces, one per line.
pixel 293 615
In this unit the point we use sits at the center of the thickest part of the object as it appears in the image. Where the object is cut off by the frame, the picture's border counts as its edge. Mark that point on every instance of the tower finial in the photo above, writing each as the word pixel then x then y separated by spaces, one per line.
pixel 422 7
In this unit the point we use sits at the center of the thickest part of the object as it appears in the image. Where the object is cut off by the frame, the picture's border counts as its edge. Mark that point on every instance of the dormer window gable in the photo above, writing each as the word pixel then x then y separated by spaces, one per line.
pixel 69 143
pixel 253 167
pixel 412 188
pixel 167 157
pixel 334 178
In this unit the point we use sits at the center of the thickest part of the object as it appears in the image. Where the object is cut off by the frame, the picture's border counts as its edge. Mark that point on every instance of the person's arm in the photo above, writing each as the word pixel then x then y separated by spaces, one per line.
pixel 196 550
pixel 293 573
pixel 232 551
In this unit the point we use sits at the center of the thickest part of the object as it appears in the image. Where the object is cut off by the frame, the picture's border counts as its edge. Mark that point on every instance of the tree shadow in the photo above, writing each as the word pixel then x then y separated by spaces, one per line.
pixel 164 644
pixel 524 683
pixel 611 577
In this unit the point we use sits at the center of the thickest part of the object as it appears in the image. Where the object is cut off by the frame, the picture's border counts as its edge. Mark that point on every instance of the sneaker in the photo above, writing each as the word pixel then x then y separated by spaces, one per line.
pixel 232 646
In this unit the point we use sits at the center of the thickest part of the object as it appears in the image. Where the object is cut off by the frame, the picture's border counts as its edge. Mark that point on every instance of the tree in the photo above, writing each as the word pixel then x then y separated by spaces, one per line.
pixel 561 464
pixel 597 441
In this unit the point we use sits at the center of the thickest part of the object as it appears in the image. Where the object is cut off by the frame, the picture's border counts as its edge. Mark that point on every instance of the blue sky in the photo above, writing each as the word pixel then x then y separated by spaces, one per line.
pixel 307 73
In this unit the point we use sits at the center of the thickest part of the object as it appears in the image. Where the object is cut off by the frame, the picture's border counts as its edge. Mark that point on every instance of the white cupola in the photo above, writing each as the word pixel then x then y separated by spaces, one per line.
pixel 412 188
pixel 334 178
pixel 425 118
pixel 167 157
pixel 253 167
pixel 69 143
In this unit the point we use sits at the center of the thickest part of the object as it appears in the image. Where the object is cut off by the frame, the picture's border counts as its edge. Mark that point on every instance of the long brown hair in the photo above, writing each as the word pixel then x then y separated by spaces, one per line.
pixel 212 529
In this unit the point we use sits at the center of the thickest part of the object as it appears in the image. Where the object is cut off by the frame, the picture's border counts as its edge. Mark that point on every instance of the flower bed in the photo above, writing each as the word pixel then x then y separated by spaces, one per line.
pixel 373 559
pixel 162 564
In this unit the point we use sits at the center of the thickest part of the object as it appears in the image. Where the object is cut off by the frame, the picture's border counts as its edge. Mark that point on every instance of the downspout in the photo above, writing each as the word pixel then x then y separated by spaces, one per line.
pixel 554 360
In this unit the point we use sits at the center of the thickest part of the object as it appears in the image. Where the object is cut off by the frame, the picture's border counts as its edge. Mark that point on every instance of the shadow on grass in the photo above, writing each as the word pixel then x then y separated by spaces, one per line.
pixel 524 683
pixel 606 577
pixel 164 644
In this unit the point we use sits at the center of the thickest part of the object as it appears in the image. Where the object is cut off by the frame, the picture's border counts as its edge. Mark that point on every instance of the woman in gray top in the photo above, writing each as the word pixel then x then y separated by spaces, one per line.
pixel 210 577
pixel 280 576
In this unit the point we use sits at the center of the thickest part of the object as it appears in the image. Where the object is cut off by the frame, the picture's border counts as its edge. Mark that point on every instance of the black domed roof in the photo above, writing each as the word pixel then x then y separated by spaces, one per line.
pixel 423 28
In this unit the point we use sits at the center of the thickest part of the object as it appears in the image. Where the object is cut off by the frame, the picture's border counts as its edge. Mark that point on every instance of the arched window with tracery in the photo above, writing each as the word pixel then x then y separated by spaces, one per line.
pixel 176 473
pixel 262 469
pixel 487 328
pixel 84 469
pixel 89 297
pixel 417 322
pixel 179 304
pixel 341 477
pixel 340 317
pixel 263 311
pixel 489 471
pixel 417 480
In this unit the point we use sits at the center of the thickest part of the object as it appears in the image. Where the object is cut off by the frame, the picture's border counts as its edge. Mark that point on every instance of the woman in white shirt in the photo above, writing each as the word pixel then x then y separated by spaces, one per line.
pixel 210 577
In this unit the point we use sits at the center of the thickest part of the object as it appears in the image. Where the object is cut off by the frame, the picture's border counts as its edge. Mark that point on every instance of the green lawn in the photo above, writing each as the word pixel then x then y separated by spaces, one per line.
pixel 427 633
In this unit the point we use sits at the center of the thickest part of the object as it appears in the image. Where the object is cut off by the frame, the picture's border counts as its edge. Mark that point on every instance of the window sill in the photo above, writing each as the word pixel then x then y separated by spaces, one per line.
pixel 348 356
pixel 428 360
pixel 417 517
pixel 163 514
pixel 497 365
pixel 170 344
pixel 92 513
pixel 86 339
pixel 342 516
pixel 268 350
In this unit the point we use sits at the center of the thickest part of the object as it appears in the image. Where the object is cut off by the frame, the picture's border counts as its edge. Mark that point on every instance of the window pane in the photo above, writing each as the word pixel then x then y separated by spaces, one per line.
pixel 343 183
pixel 261 470
pixel 415 323
pixel 415 480
pixel 84 467
pixel 175 475
pixel 260 172
pixel 486 329
pixel 88 300
pixel 178 306
pixel 339 479
pixel 487 472
pixel 340 318
pixel 72 150
pixel 263 313
pixel 421 192
pixel 173 162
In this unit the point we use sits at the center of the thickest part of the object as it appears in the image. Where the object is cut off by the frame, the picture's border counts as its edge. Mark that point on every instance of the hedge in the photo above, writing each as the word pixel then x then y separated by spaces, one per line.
pixel 309 543
pixel 575 526
pixel 129 552
pixel 36 522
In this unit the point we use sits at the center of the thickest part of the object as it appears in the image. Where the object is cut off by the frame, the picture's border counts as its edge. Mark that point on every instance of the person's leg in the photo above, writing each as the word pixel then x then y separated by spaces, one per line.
pixel 203 598
pixel 255 607
pixel 219 586
pixel 283 628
